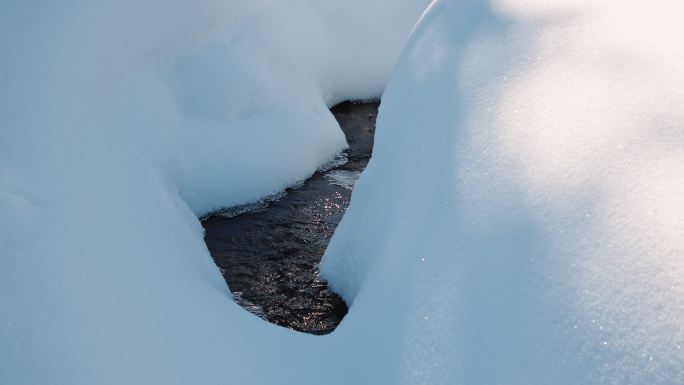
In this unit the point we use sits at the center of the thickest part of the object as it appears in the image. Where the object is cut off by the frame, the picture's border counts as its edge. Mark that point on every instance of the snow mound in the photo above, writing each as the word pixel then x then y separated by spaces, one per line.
pixel 521 220
pixel 519 223
pixel 121 122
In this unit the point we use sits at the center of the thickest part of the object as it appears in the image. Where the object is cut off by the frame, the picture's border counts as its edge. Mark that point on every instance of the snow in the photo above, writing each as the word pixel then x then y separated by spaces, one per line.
pixel 121 123
pixel 520 221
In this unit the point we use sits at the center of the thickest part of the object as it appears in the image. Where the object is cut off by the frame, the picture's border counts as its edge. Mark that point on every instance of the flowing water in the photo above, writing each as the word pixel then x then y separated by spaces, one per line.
pixel 269 251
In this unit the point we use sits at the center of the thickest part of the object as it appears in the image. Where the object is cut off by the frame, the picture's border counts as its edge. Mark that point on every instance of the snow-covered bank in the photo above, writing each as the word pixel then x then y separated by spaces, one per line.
pixel 534 156
pixel 120 122
pixel 520 222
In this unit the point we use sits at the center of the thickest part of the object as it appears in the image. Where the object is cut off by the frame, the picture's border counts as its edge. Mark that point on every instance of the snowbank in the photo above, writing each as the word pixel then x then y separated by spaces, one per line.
pixel 120 123
pixel 521 220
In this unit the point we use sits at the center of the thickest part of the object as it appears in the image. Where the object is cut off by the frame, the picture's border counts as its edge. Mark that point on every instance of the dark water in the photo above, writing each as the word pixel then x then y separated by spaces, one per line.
pixel 269 252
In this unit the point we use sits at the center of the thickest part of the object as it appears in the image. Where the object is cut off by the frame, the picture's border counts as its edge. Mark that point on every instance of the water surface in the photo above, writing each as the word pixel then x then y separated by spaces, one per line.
pixel 269 251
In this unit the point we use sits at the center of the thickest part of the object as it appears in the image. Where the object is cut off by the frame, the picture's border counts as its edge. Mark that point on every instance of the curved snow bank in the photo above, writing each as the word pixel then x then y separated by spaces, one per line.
pixel 122 121
pixel 521 220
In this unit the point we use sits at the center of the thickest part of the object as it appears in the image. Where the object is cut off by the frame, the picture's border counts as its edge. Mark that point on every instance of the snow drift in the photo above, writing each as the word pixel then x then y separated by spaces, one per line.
pixel 520 222
pixel 120 123
pixel 522 218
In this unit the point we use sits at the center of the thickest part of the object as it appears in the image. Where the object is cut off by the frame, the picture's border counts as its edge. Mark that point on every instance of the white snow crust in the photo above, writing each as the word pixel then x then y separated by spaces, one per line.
pixel 521 221
pixel 123 121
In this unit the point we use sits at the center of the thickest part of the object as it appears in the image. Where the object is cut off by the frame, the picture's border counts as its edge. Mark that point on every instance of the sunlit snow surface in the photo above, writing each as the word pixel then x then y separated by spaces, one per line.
pixel 522 218
pixel 123 121
pixel 520 222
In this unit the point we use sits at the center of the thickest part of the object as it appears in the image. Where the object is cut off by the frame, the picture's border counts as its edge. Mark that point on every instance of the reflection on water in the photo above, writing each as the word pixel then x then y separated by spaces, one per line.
pixel 269 251
pixel 343 178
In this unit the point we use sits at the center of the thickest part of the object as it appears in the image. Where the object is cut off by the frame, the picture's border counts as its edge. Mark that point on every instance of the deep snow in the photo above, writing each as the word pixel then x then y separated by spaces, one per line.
pixel 522 218
pixel 520 222
pixel 121 123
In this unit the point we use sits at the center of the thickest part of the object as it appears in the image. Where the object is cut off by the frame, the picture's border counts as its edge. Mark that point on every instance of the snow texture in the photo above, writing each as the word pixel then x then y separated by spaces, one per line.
pixel 519 223
pixel 522 218
pixel 121 122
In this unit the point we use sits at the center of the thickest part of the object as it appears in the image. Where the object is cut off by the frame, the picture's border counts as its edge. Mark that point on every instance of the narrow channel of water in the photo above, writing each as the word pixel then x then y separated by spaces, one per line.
pixel 269 252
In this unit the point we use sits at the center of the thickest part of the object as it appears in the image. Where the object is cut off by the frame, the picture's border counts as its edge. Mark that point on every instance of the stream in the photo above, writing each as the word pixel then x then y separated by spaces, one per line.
pixel 269 251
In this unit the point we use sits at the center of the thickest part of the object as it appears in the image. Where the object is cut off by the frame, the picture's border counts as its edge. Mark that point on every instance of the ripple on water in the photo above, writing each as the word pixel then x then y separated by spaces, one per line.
pixel 343 178
pixel 269 251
